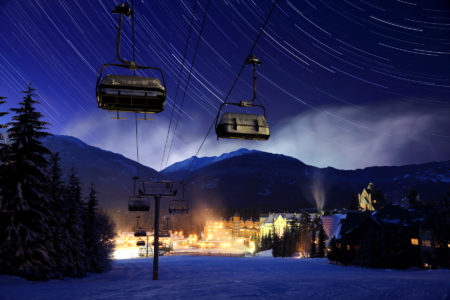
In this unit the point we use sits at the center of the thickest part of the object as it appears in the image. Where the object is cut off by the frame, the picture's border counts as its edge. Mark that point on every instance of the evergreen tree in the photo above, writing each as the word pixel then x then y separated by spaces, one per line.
pixel 313 251
pixel 91 232
pixel 321 243
pixel 413 197
pixel 2 114
pixel 25 247
pixel 284 245
pixel 290 238
pixel 105 239
pixel 74 227
pixel 58 214
pixel 304 244
pixel 276 248
pixel 379 197
pixel 266 243
pixel 333 254
pixel 354 203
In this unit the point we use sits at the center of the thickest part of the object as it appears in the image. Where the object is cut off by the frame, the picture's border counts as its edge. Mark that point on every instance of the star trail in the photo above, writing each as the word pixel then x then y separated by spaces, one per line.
pixel 335 74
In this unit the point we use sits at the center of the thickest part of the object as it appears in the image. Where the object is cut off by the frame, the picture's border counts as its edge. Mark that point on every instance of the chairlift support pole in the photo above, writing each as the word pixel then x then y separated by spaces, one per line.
pixel 156 238
pixel 157 197
pixel 146 254
pixel 252 59
pixel 123 9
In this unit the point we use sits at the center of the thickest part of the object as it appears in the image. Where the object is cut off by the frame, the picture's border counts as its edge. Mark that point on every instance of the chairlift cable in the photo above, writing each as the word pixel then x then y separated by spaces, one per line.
pixel 134 73
pixel 234 83
pixel 179 79
pixel 137 145
pixel 132 33
pixel 202 26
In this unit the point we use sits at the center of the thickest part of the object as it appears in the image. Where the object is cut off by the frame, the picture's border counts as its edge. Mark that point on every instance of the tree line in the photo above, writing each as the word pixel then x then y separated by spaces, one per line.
pixel 302 236
pixel 47 230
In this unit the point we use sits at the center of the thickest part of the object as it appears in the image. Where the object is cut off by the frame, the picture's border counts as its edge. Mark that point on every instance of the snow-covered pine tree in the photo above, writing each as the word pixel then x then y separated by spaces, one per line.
pixel 57 218
pixel 2 113
pixel 74 226
pixel 91 232
pixel 313 249
pixel 106 234
pixel 25 247
pixel 333 253
pixel 3 141
pixel 354 203
pixel 99 234
pixel 305 233
pixel 321 243
pixel 276 250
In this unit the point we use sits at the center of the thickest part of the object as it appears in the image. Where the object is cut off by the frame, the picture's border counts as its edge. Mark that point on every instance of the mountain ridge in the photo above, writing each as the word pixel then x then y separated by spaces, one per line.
pixel 247 179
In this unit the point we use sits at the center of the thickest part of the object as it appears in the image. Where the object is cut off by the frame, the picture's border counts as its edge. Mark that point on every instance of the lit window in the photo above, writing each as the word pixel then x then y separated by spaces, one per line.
pixel 415 242
pixel 426 243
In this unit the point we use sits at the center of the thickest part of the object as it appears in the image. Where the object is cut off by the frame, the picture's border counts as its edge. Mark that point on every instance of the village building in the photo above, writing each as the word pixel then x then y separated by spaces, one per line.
pixel 365 198
pixel 394 237
pixel 234 227
pixel 370 199
pixel 277 223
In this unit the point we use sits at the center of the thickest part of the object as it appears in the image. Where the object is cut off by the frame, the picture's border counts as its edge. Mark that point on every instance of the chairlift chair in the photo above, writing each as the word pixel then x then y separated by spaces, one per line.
pixel 140 233
pixel 243 125
pixel 143 188
pixel 179 206
pixel 164 233
pixel 129 93
pixel 136 203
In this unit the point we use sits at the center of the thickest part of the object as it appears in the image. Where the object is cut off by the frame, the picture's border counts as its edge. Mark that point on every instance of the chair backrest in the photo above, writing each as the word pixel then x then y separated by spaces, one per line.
pixel 138 204
pixel 243 126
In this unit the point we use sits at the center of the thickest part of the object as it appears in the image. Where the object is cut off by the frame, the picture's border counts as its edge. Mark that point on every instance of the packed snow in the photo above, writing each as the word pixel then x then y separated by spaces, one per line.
pixel 194 277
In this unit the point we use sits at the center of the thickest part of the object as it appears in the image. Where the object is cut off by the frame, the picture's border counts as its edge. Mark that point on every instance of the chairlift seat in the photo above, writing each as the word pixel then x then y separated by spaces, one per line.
pixel 164 233
pixel 140 243
pixel 178 207
pixel 140 233
pixel 138 204
pixel 131 94
pixel 243 126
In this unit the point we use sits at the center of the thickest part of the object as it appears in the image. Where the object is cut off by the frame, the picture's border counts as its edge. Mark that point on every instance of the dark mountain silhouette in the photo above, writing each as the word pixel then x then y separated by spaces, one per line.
pixel 111 172
pixel 250 181
pixel 264 181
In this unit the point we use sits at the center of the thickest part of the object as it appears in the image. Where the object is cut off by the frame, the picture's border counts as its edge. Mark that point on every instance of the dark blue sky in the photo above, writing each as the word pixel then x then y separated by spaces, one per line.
pixel 347 83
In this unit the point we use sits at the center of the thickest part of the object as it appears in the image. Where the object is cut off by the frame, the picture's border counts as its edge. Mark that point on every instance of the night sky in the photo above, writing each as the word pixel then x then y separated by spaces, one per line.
pixel 347 84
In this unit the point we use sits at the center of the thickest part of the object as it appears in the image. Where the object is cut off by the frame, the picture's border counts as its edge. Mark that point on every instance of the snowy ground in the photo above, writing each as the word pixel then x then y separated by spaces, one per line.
pixel 187 277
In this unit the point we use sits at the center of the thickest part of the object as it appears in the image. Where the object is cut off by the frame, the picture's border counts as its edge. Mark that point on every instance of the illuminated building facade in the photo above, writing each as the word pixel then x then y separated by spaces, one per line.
pixel 235 227
pixel 371 198
pixel 277 223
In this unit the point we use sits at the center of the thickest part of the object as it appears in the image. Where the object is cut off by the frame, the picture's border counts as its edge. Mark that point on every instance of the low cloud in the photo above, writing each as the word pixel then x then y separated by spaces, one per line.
pixel 350 138
pixel 341 137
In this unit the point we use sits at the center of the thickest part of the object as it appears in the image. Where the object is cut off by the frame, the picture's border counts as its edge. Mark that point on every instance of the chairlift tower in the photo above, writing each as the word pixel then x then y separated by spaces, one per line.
pixel 158 190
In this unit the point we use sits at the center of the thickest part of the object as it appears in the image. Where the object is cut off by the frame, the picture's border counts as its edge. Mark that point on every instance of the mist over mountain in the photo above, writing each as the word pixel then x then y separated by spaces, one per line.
pixel 249 180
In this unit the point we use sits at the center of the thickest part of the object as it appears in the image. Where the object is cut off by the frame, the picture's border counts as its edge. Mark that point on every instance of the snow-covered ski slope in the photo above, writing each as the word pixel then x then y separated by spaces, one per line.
pixel 185 277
